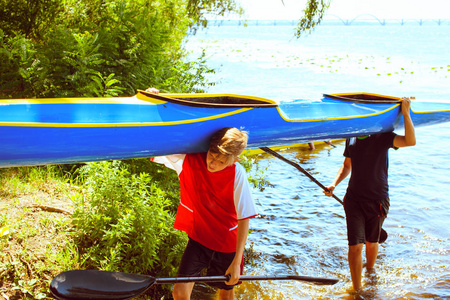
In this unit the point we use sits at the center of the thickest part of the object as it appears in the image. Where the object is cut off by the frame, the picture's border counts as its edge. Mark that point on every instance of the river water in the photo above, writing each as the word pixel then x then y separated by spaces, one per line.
pixel 300 231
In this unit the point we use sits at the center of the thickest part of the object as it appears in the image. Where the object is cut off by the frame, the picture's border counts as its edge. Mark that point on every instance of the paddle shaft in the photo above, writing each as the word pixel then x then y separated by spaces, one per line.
pixel 298 167
pixel 316 280
pixel 383 233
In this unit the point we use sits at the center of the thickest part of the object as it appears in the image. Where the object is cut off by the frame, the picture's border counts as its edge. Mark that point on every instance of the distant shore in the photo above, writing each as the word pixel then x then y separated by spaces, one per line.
pixel 364 19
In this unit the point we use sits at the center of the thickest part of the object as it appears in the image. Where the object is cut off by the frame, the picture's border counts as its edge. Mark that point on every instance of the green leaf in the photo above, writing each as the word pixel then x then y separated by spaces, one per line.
pixel 313 15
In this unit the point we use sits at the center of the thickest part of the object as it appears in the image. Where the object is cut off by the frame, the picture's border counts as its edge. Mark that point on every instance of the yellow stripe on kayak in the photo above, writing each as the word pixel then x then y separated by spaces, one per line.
pixel 135 124
pixel 136 99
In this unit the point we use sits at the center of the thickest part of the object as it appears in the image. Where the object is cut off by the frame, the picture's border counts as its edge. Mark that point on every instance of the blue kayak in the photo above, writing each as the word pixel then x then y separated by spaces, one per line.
pixel 70 130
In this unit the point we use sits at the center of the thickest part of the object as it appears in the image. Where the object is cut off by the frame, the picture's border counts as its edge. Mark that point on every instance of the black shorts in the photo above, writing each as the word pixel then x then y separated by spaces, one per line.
pixel 364 220
pixel 197 257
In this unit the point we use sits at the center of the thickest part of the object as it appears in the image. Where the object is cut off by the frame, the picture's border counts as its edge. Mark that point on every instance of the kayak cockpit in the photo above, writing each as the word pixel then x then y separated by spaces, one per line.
pixel 213 100
pixel 363 98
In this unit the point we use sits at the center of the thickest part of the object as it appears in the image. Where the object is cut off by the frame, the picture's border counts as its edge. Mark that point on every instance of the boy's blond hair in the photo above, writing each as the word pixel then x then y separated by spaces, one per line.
pixel 229 141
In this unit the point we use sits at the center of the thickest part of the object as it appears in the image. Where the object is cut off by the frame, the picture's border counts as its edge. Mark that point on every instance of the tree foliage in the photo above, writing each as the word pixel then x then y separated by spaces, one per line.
pixel 313 15
pixel 63 48
pixel 196 9
pixel 60 48
pixel 29 18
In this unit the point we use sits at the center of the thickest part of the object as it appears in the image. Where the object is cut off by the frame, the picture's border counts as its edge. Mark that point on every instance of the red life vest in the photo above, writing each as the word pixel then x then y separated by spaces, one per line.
pixel 207 211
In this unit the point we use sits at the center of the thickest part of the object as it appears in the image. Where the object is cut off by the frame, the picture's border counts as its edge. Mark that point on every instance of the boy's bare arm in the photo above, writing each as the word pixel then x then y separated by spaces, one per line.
pixel 235 268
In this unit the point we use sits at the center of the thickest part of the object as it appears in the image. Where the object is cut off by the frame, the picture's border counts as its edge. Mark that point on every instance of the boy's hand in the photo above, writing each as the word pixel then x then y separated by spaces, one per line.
pixel 234 270
pixel 152 90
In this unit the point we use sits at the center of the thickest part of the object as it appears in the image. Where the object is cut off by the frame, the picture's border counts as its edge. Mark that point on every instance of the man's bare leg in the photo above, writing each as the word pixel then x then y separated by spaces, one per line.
pixel 371 254
pixel 355 263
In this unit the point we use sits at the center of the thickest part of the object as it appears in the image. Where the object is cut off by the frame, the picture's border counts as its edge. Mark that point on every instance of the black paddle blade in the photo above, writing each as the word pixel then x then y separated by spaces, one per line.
pixel 383 236
pixel 96 284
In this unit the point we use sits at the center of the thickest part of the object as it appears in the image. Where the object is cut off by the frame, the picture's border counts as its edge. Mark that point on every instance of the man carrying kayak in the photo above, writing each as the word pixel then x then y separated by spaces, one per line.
pixel 366 202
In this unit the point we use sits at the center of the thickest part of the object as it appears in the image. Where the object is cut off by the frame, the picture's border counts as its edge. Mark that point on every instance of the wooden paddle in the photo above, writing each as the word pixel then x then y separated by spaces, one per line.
pixel 383 234
pixel 97 284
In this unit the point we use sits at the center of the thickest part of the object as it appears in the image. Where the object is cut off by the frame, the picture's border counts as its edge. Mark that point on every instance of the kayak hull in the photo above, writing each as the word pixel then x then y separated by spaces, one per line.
pixel 55 131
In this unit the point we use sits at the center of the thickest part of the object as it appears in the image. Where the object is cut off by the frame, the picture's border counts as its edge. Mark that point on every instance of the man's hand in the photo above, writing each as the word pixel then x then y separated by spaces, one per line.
pixel 406 104
pixel 330 189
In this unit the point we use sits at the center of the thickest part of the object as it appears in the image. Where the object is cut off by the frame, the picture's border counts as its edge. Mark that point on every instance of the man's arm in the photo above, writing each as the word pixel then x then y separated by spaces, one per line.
pixel 343 172
pixel 235 268
pixel 409 139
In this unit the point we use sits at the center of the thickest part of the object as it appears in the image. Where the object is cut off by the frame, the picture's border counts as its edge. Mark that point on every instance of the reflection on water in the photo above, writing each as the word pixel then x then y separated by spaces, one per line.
pixel 300 231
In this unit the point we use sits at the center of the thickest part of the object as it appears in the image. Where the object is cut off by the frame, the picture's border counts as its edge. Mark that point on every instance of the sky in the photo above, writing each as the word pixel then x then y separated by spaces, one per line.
pixel 349 9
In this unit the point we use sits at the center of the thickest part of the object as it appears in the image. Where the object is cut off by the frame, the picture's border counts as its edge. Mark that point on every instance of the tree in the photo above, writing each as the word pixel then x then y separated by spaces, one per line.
pixel 27 17
pixel 84 48
pixel 99 47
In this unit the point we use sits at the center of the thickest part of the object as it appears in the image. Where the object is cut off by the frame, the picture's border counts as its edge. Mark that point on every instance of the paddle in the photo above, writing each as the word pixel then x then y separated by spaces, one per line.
pixel 96 284
pixel 383 234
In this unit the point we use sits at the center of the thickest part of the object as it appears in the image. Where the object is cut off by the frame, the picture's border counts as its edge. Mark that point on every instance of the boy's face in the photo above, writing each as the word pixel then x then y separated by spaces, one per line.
pixel 216 162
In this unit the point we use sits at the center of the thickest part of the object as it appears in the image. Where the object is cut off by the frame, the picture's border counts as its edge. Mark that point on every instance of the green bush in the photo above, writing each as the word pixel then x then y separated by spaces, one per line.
pixel 165 178
pixel 125 222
